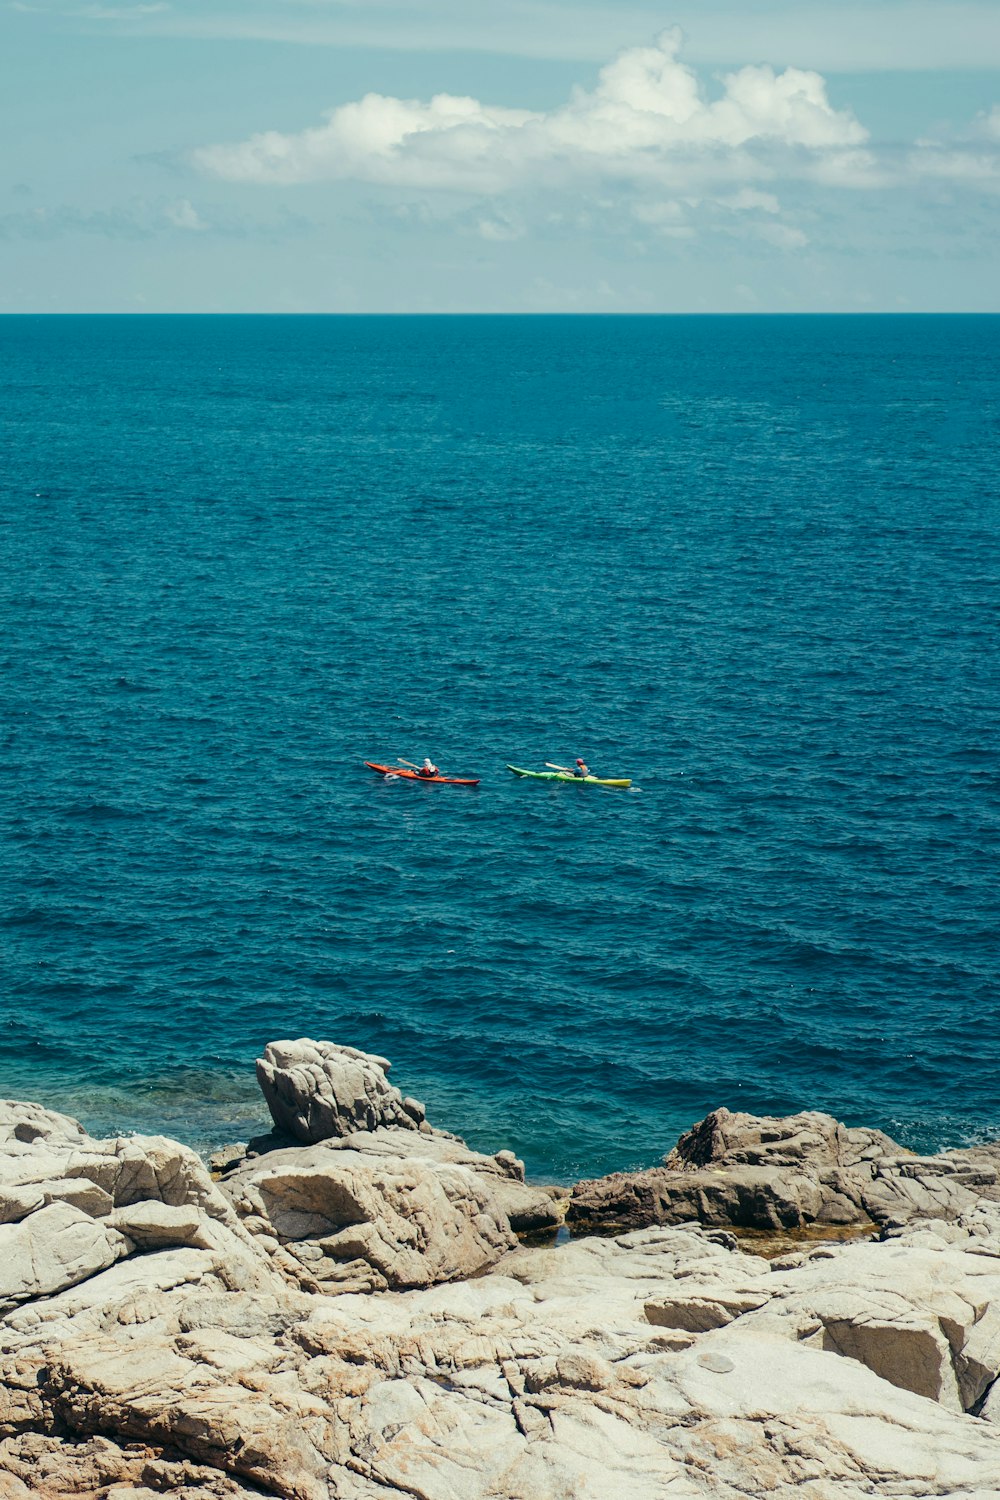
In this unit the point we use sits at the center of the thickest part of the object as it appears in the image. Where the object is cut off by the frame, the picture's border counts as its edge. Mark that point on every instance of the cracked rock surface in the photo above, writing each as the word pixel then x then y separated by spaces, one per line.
pixel 317 1090
pixel 544 1378
pixel 349 1220
pixel 155 1341
pixel 765 1173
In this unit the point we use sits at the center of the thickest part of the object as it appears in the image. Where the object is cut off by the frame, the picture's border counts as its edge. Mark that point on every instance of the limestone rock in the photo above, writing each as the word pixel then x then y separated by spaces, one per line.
pixel 53 1159
pixel 696 1311
pixel 923 1316
pixel 528 1209
pixel 24 1124
pixel 543 1379
pixel 342 1218
pixel 71 1207
pixel 33 1465
pixel 526 1206
pixel 163 1335
pixel 154 1226
pixel 904 1188
pixel 53 1248
pixel 748 1197
pixel 764 1173
pixel 809 1140
pixel 317 1090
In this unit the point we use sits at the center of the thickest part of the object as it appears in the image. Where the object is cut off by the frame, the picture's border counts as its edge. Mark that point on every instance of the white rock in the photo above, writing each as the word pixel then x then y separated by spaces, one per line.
pixel 343 1218
pixel 316 1090
pixel 53 1248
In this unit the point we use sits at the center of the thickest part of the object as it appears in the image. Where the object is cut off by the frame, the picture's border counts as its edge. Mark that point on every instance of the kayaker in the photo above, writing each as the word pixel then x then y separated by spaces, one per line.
pixel 581 768
pixel 428 768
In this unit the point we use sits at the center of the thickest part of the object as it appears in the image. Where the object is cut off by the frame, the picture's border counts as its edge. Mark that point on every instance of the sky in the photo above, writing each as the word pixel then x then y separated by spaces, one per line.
pixel 499 156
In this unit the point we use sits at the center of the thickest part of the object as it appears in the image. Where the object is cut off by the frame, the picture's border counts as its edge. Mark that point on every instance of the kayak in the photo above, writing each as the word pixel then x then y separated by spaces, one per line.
pixel 567 776
pixel 416 776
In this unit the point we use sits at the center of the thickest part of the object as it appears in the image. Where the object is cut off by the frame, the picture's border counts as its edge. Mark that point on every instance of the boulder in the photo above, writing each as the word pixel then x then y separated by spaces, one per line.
pixel 45 1158
pixel 24 1125
pixel 321 1093
pixel 808 1141
pixel 317 1090
pixel 527 1207
pixel 343 1219
pixel 52 1248
pixel 154 1226
pixel 746 1197
pixel 787 1174
pixel 71 1206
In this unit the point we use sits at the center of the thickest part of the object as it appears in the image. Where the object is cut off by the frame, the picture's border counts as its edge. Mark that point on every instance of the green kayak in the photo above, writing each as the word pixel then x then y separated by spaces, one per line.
pixel 566 776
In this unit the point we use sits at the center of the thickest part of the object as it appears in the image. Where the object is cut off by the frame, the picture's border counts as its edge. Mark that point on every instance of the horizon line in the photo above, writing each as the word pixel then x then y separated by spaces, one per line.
pixel 701 313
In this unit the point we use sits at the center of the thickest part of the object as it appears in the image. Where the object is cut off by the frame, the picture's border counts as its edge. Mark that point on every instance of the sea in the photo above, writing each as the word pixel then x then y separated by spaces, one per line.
pixel 750 563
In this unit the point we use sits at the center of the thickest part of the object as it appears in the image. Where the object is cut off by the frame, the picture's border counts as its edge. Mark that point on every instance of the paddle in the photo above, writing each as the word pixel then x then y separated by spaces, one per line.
pixel 414 767
pixel 553 767
pixel 570 772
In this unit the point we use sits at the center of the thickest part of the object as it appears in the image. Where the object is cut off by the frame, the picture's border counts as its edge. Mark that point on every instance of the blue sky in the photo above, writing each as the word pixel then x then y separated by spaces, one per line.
pixel 455 155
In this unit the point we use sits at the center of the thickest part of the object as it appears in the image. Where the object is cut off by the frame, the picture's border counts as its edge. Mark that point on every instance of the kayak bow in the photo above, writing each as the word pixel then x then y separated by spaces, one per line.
pixel 567 776
pixel 416 776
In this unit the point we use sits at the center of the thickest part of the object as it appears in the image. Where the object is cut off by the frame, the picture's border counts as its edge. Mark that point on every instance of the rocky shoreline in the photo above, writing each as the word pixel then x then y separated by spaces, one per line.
pixel 354 1305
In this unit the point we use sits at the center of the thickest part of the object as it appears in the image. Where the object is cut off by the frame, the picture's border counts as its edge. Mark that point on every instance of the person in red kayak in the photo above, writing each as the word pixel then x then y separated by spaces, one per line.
pixel 428 768
pixel 581 768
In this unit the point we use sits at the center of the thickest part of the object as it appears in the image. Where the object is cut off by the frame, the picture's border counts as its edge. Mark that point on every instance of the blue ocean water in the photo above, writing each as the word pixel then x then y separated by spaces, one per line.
pixel 751 563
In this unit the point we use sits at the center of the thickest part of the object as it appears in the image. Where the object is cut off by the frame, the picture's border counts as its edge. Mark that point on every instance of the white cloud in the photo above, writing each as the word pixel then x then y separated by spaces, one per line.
pixel 446 143
pixel 990 123
pixel 666 213
pixel 781 236
pixel 121 12
pixel 184 215
pixel 500 228
pixel 962 167
pixel 749 199
pixel 647 121
pixel 972 160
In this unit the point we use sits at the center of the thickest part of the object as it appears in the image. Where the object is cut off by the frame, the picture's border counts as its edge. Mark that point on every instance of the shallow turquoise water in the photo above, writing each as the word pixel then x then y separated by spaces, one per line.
pixel 751 563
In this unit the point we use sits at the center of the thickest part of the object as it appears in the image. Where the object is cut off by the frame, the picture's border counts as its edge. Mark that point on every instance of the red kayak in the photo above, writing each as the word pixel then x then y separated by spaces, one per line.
pixel 416 776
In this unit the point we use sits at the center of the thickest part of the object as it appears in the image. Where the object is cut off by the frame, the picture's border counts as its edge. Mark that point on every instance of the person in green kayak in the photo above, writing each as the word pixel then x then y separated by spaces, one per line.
pixel 428 768
pixel 581 768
